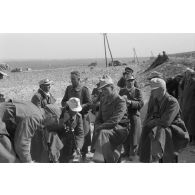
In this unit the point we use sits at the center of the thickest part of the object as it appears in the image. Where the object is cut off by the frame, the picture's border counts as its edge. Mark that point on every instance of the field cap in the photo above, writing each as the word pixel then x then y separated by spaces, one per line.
pixel 74 104
pixel 156 83
pixel 104 81
pixel 128 70
pixel 155 74
pixel 76 73
pixel 130 77
pixel 45 82
pixel 53 109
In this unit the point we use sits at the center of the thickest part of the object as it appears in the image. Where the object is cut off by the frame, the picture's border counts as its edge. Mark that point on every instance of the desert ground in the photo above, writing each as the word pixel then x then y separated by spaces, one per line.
pixel 22 85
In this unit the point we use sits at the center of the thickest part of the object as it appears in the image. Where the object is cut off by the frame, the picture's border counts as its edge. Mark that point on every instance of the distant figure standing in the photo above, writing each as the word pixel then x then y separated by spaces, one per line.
pixel 43 96
pixel 122 81
pixel 81 92
pixel 134 100
pixel 164 57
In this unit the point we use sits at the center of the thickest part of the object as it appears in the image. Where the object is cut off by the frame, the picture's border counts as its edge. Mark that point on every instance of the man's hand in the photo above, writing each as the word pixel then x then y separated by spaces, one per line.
pixel 78 151
pixel 126 99
pixel 151 123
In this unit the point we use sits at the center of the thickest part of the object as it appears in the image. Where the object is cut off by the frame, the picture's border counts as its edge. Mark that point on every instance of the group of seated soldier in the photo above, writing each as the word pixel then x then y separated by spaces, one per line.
pixel 40 131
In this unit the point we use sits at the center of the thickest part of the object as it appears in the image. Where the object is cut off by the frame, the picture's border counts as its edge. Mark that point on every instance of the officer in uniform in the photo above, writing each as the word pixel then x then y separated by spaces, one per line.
pixel 81 92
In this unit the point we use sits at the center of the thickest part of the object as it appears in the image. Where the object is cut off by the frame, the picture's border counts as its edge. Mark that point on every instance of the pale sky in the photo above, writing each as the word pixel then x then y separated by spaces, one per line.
pixel 90 45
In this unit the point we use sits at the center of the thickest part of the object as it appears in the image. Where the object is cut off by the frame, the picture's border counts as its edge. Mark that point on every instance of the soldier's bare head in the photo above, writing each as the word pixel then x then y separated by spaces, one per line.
pixel 75 78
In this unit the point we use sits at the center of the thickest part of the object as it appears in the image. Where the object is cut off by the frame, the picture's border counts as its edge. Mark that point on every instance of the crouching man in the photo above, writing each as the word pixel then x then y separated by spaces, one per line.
pixel 72 133
pixel 108 134
pixel 18 123
pixel 164 132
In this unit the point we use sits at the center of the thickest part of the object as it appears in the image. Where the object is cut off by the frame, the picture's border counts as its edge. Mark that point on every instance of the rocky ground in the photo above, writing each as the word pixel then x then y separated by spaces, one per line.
pixel 23 85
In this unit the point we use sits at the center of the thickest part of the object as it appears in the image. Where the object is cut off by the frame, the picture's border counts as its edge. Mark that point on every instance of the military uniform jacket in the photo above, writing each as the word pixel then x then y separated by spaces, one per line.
pixel 20 120
pixel 111 112
pixel 40 99
pixel 169 113
pixel 80 92
pixel 75 123
pixel 136 98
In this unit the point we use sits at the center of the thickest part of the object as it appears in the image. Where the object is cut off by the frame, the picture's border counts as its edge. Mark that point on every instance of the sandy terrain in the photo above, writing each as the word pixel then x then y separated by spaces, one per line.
pixel 23 85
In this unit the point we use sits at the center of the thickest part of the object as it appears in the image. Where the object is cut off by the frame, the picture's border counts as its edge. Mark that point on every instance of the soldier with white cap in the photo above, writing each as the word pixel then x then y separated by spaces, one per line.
pixel 72 133
pixel 164 132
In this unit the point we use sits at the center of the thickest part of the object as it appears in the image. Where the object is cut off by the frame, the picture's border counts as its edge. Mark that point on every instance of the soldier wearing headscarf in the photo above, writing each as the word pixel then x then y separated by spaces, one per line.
pixel 164 132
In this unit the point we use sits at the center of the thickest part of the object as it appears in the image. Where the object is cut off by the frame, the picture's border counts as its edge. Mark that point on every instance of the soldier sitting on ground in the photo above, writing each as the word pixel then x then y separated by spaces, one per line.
pixel 164 132
pixel 108 134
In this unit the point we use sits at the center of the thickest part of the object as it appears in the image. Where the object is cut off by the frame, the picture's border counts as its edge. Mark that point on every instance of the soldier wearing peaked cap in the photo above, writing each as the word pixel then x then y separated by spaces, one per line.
pixel 43 96
pixel 134 100
pixel 122 81
pixel 108 134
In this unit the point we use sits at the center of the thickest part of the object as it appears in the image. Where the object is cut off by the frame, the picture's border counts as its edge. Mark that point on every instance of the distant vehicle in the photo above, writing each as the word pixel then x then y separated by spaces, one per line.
pixel 93 64
pixel 117 63
pixel 28 69
pixel 16 70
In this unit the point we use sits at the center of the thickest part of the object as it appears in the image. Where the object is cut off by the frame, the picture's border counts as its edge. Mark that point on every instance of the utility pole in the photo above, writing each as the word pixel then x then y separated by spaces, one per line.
pixel 135 56
pixel 109 49
pixel 105 50
pixel 104 35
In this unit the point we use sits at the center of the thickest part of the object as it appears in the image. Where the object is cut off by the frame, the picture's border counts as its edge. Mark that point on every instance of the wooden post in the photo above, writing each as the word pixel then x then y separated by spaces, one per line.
pixel 104 34
pixel 109 49
pixel 135 56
